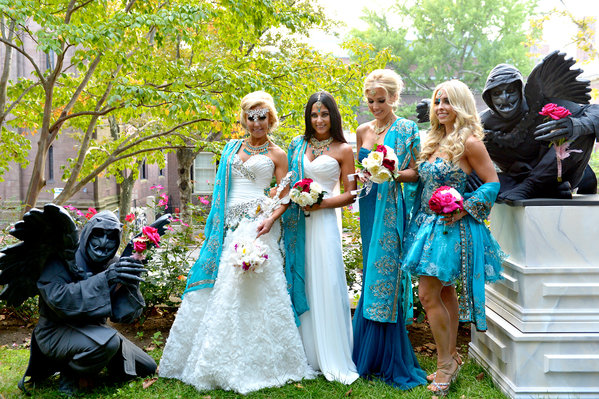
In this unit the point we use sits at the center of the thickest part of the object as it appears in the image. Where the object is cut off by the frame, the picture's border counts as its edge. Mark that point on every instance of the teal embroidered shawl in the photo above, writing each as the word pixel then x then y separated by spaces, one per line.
pixel 294 233
pixel 204 271
pixel 386 286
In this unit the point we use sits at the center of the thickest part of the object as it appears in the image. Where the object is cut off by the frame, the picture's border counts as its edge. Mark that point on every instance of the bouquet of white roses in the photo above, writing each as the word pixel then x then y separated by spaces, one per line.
pixel 380 165
pixel 249 256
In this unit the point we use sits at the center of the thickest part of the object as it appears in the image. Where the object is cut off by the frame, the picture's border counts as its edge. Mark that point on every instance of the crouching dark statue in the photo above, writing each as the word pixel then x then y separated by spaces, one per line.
pixel 80 283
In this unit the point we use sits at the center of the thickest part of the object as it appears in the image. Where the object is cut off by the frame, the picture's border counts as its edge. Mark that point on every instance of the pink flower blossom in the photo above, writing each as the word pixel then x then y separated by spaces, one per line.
pixel 156 187
pixel 130 217
pixel 554 111
pixel 151 234
pixel 446 200
pixel 91 212
pixel 203 200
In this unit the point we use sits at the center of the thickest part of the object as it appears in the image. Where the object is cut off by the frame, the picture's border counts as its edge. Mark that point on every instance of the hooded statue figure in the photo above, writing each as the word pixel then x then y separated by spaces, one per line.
pixel 76 296
pixel 529 168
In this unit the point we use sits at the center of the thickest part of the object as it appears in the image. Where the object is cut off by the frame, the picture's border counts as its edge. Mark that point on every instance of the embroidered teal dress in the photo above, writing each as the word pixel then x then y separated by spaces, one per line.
pixel 381 344
pixel 464 251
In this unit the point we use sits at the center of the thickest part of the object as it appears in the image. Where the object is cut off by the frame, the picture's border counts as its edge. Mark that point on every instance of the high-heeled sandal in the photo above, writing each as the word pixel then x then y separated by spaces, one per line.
pixel 458 359
pixel 442 388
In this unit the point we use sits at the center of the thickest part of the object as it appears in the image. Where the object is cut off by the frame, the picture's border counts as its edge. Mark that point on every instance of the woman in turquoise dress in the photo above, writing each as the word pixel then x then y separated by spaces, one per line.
pixel 445 249
pixel 381 344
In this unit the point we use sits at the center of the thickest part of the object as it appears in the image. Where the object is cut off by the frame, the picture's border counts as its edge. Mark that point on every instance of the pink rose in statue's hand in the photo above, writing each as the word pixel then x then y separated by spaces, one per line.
pixel 139 245
pixel 554 111
pixel 151 234
pixel 446 200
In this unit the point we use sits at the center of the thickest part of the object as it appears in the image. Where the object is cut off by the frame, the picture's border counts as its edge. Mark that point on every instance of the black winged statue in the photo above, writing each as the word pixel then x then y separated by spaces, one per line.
pixel 81 283
pixel 514 129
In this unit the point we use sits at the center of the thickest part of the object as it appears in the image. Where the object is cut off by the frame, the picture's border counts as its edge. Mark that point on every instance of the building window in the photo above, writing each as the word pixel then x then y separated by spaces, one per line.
pixel 143 170
pixel 204 172
pixel 51 164
pixel 50 60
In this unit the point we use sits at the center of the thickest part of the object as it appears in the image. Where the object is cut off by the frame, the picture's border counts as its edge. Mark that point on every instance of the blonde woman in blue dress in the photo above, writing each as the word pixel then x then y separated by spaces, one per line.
pixel 457 247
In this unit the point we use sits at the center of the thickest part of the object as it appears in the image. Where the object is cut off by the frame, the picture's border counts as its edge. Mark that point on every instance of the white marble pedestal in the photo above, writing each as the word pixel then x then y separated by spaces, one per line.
pixel 543 319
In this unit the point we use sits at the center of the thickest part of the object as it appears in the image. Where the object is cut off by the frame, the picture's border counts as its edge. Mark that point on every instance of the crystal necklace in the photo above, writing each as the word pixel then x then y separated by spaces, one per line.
pixel 255 150
pixel 379 130
pixel 318 146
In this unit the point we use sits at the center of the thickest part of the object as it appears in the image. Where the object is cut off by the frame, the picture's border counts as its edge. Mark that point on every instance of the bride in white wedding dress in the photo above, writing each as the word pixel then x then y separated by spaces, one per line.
pixel 235 329
pixel 324 156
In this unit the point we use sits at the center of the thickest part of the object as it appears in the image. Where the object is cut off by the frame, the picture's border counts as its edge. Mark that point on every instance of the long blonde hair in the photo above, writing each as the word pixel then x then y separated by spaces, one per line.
pixel 467 123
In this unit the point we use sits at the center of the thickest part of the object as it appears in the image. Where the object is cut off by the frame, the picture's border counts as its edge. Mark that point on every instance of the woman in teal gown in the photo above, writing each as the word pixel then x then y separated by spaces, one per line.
pixel 381 345
pixel 445 249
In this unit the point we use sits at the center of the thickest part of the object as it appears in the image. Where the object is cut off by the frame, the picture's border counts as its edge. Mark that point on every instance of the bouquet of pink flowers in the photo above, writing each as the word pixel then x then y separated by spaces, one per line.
pixel 149 236
pixel 562 146
pixel 380 165
pixel 445 201
pixel 249 256
pixel 306 192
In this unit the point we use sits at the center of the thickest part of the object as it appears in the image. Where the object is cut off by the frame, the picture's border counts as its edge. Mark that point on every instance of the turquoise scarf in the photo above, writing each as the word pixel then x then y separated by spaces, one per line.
pixel 386 286
pixel 294 233
pixel 204 271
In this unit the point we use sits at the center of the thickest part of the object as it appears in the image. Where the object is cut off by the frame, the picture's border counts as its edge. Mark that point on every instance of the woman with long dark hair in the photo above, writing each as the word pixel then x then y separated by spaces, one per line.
pixel 314 264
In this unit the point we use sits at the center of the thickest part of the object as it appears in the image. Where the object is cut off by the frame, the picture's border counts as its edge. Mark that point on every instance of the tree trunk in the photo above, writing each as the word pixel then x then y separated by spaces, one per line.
pixel 126 194
pixel 185 157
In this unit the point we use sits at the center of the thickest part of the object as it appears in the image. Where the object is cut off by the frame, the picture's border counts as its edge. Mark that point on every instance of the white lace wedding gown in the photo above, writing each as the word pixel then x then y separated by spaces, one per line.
pixel 326 328
pixel 239 335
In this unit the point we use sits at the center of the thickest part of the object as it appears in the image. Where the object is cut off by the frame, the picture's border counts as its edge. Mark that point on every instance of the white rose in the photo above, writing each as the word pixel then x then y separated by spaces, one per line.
pixel 314 195
pixel 316 187
pixel 305 199
pixel 382 176
pixel 376 157
pixel 454 193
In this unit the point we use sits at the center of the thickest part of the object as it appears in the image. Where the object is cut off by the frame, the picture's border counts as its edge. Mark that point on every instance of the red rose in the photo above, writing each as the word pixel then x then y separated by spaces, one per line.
pixel 389 164
pixel 130 217
pixel 139 245
pixel 381 148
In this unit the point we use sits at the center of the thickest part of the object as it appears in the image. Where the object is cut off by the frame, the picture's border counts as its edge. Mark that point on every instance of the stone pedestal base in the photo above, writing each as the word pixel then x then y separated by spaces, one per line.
pixel 543 319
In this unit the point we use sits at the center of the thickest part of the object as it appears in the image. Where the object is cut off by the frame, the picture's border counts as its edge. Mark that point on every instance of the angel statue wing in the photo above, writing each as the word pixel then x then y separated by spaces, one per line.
pixel 553 78
pixel 43 233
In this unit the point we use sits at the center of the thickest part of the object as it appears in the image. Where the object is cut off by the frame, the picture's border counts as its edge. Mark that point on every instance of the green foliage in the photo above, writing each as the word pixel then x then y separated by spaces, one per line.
pixel 157 339
pixel 171 74
pixel 352 246
pixel 468 385
pixel 168 266
pixel 457 39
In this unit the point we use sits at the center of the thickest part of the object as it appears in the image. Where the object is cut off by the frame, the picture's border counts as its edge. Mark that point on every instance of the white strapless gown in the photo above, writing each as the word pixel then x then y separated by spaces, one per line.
pixel 326 328
pixel 239 335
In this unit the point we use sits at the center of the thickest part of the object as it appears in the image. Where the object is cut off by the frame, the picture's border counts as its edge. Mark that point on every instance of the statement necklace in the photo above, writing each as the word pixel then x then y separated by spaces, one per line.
pixel 318 146
pixel 379 130
pixel 255 150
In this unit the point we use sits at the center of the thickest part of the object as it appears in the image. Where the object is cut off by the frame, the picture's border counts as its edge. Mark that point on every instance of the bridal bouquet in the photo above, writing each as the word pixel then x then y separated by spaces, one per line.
pixel 446 201
pixel 249 256
pixel 562 146
pixel 149 236
pixel 380 165
pixel 306 192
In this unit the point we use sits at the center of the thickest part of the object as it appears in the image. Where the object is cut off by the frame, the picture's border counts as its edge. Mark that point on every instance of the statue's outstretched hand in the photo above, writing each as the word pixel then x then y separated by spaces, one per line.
pixel 125 271
pixel 555 130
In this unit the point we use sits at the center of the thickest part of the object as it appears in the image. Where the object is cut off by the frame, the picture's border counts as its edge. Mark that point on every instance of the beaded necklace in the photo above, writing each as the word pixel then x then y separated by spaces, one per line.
pixel 255 150
pixel 318 146
pixel 379 130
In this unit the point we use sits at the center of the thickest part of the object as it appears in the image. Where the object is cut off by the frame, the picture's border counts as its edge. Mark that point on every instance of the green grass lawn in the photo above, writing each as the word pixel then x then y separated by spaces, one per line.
pixel 14 361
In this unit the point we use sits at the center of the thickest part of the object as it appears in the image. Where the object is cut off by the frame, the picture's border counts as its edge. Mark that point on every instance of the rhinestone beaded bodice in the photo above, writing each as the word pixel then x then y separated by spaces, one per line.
pixel 249 179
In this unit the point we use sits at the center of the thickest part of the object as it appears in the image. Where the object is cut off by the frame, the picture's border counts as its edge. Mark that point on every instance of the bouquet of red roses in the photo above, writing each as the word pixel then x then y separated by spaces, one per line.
pixel 446 201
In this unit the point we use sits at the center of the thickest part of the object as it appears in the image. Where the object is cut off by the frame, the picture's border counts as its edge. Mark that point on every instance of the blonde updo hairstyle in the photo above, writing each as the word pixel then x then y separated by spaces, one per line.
pixel 263 100
pixel 467 123
pixel 388 80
